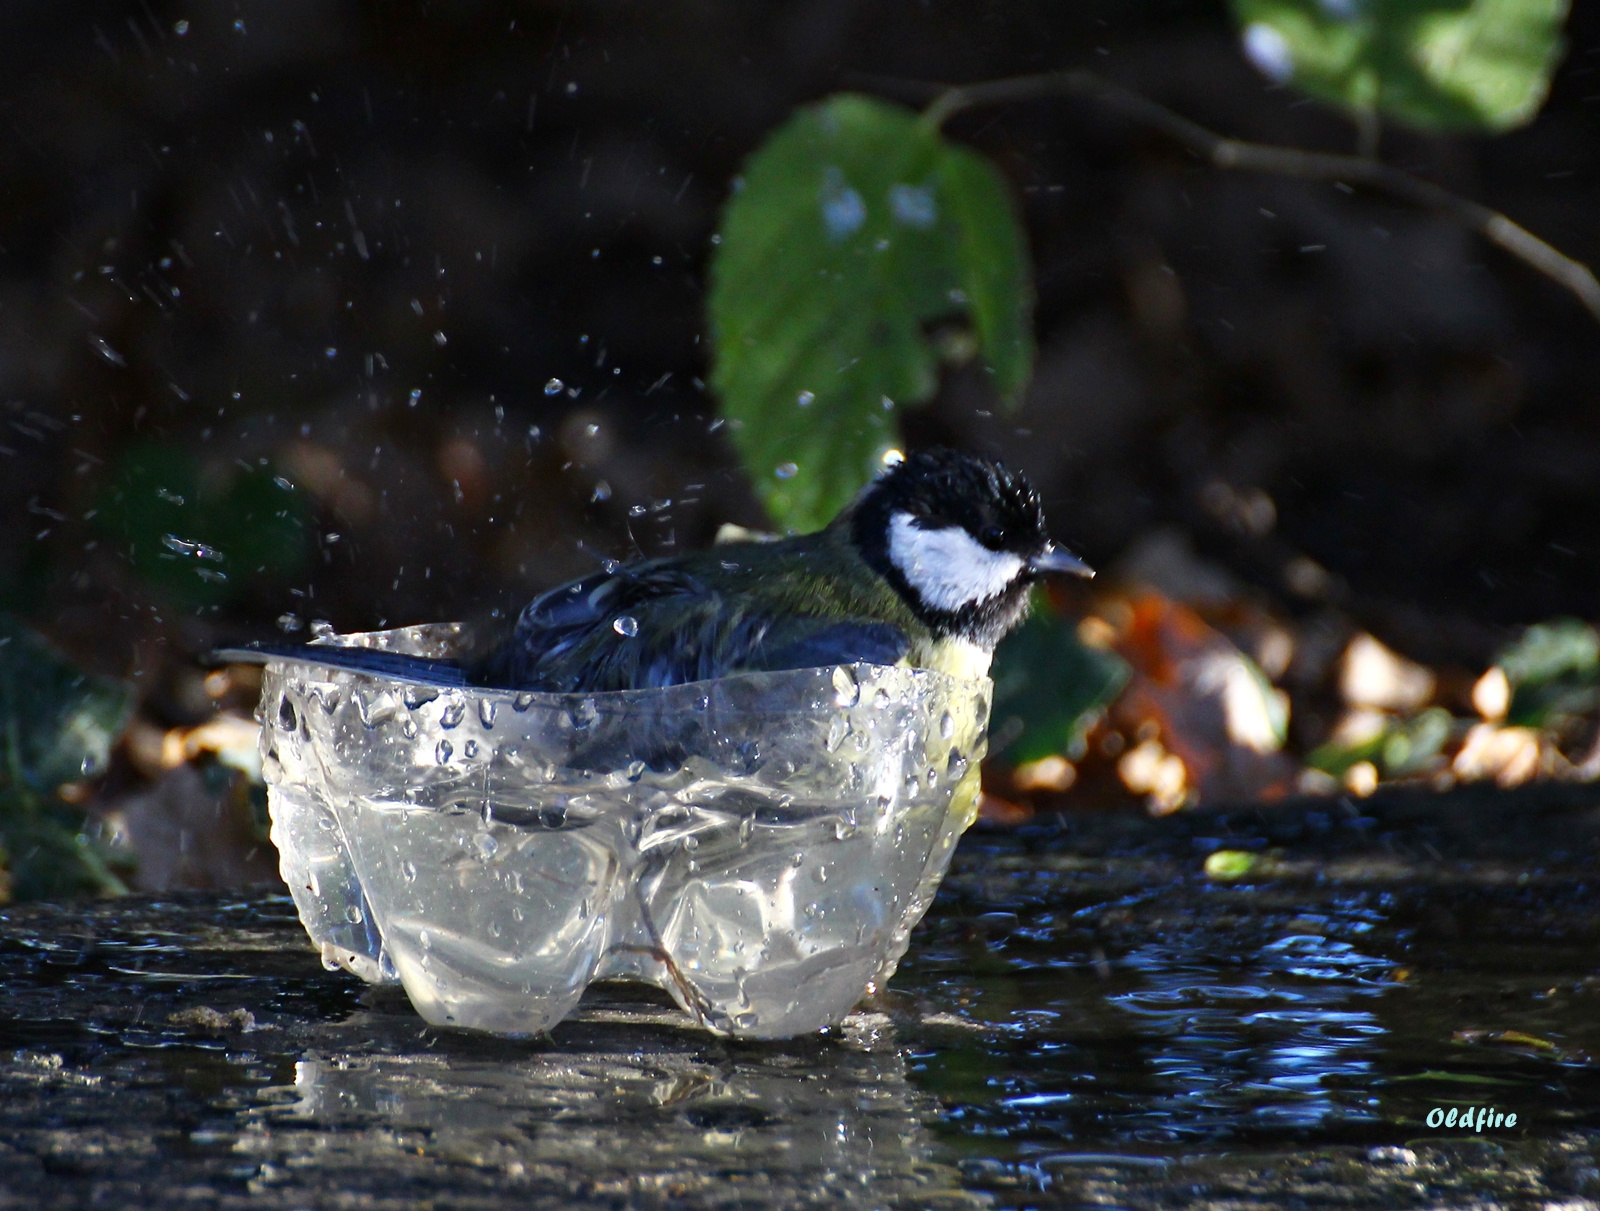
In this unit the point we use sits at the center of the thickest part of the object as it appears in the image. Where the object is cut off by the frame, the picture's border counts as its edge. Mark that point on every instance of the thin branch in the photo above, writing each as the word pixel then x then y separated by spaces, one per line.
pixel 1243 156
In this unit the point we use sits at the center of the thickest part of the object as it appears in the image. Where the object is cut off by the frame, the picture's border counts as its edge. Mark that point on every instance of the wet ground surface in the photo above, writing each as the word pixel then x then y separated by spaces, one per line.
pixel 1084 1019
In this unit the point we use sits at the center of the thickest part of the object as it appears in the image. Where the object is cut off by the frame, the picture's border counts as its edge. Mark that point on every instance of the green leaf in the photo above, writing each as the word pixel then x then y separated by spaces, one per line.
pixel 854 228
pixel 1400 748
pixel 1227 864
pixel 57 725
pixel 1050 688
pixel 204 532
pixel 1467 65
pixel 1554 672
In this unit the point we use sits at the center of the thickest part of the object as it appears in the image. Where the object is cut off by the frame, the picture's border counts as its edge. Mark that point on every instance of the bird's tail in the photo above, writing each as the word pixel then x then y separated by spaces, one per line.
pixel 393 665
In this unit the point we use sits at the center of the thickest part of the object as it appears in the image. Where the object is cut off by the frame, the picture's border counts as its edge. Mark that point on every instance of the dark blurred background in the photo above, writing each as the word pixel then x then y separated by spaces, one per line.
pixel 383 313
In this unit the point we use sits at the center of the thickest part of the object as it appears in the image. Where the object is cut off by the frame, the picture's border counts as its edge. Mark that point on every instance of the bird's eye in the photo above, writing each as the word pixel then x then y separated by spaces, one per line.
pixel 991 537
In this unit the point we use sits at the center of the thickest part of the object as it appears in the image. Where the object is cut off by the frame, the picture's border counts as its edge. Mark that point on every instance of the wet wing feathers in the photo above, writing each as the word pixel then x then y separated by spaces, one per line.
pixel 656 624
pixel 756 607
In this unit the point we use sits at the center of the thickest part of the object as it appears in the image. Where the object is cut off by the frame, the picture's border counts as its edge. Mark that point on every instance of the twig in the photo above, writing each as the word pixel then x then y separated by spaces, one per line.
pixel 1221 152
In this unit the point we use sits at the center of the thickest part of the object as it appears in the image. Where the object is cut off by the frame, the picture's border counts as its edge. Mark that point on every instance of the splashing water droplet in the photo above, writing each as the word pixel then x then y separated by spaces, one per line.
pixel 806 398
pixel 786 470
pixel 626 625
pixel 554 387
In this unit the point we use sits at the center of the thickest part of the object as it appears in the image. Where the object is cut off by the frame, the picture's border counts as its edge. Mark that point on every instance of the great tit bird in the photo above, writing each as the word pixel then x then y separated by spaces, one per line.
pixel 930 566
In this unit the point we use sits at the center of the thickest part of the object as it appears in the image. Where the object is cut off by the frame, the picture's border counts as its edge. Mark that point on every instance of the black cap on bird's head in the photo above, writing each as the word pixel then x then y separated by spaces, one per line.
pixel 961 538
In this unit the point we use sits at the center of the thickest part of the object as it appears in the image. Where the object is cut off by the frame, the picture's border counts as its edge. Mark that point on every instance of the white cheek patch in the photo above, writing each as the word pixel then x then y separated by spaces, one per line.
pixel 948 567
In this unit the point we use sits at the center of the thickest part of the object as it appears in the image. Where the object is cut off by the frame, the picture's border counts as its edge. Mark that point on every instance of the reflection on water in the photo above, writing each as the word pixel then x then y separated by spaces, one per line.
pixel 1289 1047
pixel 1066 1030
pixel 837 1118
pixel 1080 1022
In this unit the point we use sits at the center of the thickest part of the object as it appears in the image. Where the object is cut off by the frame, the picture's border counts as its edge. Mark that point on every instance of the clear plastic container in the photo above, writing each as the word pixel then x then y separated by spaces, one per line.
pixel 760 845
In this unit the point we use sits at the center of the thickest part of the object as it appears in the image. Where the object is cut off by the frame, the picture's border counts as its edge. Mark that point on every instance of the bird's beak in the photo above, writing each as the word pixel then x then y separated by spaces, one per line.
pixel 1055 559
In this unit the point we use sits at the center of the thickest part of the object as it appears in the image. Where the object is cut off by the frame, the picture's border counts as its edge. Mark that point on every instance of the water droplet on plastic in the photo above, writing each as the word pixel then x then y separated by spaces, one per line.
pixel 354 915
pixel 554 387
pixel 635 770
pixel 585 713
pixel 881 699
pixel 522 702
pixel 469 749
pixel 408 871
pixel 443 752
pixel 947 726
pixel 452 715
pixel 747 828
pixel 415 696
pixel 423 940
pixel 836 732
pixel 486 845
pixel 486 712
pixel 846 689
pixel 627 626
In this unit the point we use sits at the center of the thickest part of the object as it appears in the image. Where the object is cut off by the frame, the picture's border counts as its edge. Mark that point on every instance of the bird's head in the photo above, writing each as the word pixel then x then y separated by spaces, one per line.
pixel 962 539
